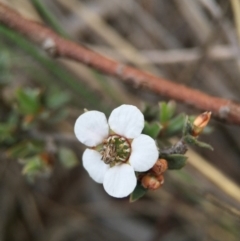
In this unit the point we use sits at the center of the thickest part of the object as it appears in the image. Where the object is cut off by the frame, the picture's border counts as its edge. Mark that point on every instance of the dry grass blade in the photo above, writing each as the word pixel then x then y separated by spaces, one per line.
pixel 236 11
pixel 216 176
pixel 106 32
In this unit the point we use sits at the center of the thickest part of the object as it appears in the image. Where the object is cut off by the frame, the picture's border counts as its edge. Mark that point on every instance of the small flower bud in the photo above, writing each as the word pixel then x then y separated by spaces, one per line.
pixel 200 122
pixel 160 167
pixel 160 179
pixel 150 182
pixel 47 158
pixel 28 119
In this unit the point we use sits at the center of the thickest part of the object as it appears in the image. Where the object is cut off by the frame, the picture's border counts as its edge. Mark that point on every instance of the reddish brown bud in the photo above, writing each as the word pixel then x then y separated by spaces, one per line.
pixel 28 119
pixel 150 182
pixel 160 179
pixel 200 122
pixel 47 158
pixel 160 167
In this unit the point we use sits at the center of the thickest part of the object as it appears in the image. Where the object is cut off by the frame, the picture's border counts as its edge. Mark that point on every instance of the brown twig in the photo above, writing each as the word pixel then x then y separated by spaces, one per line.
pixel 60 47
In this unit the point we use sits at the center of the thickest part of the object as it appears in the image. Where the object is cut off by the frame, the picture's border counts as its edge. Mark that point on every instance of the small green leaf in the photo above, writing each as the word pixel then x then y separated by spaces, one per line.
pixel 6 135
pixel 171 105
pixel 28 100
pixel 187 128
pixel 176 161
pixel 58 116
pixel 56 98
pixel 192 118
pixel 204 145
pixel 5 63
pixel 33 164
pixel 190 139
pixel 175 125
pixel 167 110
pixel 194 141
pixel 25 149
pixel 6 128
pixel 138 192
pixel 68 158
pixel 152 129
pixel 164 116
pixel 150 112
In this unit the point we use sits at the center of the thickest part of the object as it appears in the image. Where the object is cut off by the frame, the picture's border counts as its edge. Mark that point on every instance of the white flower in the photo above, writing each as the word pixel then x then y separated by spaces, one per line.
pixel 117 148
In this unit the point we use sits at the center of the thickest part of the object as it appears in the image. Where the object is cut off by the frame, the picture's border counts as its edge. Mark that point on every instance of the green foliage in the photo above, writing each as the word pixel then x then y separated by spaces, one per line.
pixel 48 17
pixel 45 106
pixel 32 165
pixel 188 127
pixel 152 129
pixel 25 149
pixel 4 67
pixel 150 112
pixel 8 127
pixel 55 98
pixel 165 124
pixel 176 161
pixel 138 192
pixel 35 166
pixel 67 157
pixel 28 101
pixel 175 125
pixel 32 109
pixel 61 76
pixel 167 110
pixel 162 121
pixel 194 141
pixel 36 108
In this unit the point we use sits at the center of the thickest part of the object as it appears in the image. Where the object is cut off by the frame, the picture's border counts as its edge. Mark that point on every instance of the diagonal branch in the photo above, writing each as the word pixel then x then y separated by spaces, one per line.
pixel 60 47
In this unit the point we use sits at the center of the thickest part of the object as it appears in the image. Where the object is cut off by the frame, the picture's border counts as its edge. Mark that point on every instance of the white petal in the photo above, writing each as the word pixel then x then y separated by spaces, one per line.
pixel 144 153
pixel 91 128
pixel 127 120
pixel 95 167
pixel 120 181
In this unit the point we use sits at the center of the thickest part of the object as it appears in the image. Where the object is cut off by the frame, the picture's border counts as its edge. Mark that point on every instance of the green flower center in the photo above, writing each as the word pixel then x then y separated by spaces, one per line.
pixel 115 149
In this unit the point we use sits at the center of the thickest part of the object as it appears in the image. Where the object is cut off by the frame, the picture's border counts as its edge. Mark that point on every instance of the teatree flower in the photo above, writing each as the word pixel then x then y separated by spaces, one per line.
pixel 117 148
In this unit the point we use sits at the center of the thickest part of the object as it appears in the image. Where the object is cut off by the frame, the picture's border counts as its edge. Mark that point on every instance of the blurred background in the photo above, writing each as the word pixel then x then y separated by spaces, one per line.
pixel 44 192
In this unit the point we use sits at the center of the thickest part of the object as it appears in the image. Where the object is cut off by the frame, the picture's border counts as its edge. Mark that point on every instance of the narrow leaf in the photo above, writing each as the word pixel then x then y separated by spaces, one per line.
pixel 176 161
pixel 175 125
pixel 203 145
pixel 138 192
pixel 187 128
pixel 167 110
pixel 25 149
pixel 152 129
pixel 194 141
pixel 171 106
pixel 56 98
pixel 33 164
pixel 164 116
pixel 68 158
pixel 28 101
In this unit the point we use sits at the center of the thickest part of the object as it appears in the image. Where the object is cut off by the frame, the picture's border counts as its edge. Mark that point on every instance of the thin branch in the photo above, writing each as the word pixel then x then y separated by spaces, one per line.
pixel 60 47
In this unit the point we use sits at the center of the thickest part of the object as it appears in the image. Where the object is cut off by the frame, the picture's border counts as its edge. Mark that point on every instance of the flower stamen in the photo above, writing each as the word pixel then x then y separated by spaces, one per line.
pixel 115 149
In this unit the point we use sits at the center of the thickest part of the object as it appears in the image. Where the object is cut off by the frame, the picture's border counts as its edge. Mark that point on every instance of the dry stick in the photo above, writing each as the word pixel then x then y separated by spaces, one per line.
pixel 173 56
pixel 107 33
pixel 58 46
